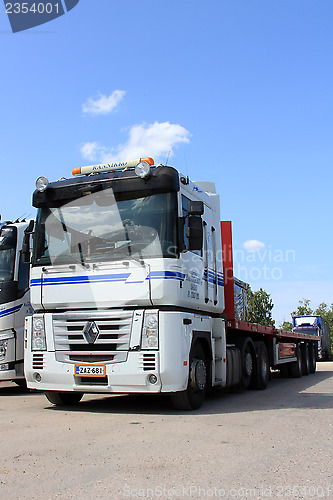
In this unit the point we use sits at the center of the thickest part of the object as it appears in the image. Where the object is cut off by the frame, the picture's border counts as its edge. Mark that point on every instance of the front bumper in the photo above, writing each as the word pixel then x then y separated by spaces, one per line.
pixel 45 371
pixel 11 371
pixel 131 376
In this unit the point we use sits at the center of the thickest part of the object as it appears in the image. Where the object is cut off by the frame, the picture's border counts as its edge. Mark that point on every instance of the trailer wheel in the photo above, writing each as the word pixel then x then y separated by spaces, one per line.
pixel 305 360
pixel 248 365
pixel 261 377
pixel 295 368
pixel 64 398
pixel 194 395
pixel 313 360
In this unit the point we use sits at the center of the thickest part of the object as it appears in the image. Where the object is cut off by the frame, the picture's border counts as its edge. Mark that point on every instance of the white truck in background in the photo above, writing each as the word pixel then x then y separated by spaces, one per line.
pixel 14 299
pixel 133 292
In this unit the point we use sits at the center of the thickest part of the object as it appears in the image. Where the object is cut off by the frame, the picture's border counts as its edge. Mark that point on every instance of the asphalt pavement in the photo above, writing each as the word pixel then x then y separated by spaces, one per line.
pixel 275 443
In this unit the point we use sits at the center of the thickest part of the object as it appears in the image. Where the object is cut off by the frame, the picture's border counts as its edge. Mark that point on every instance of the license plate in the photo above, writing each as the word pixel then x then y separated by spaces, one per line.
pixel 89 371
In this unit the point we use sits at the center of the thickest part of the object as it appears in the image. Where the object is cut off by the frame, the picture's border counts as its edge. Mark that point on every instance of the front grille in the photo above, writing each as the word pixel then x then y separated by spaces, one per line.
pixel 37 361
pixel 148 362
pixel 112 341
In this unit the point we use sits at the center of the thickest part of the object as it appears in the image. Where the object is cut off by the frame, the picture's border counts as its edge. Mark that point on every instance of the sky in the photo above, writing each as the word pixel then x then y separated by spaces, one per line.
pixel 236 92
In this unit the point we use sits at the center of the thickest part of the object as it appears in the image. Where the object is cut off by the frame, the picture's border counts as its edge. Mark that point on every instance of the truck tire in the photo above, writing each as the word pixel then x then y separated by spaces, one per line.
pixel 248 365
pixel 22 383
pixel 194 395
pixel 305 359
pixel 313 358
pixel 295 368
pixel 261 376
pixel 64 398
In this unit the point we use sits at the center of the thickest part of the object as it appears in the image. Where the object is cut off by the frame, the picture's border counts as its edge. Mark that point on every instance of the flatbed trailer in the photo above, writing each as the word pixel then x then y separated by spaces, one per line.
pixel 293 353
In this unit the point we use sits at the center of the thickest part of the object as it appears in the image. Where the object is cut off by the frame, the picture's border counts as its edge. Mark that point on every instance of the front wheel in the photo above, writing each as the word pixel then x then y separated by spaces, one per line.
pixel 22 383
pixel 194 395
pixel 64 398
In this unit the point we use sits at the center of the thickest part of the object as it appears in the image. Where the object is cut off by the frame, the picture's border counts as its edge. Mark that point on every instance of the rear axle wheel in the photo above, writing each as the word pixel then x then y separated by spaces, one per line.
pixel 261 377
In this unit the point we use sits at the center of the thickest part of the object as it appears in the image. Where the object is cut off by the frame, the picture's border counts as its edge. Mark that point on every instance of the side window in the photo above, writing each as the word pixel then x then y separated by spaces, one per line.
pixel 185 202
pixel 23 274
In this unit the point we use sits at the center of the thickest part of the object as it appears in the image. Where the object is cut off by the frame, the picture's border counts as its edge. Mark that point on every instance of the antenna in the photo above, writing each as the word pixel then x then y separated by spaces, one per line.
pixel 20 219
pixel 185 158
pixel 168 157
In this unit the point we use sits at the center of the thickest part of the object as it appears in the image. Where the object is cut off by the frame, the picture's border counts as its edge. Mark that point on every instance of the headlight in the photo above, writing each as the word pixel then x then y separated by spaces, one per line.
pixel 3 349
pixel 142 169
pixel 42 183
pixel 4 339
pixel 38 340
pixel 149 337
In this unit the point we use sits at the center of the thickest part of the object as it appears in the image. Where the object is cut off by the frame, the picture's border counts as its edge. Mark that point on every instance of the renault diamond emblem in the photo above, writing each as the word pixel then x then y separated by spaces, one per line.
pixel 90 331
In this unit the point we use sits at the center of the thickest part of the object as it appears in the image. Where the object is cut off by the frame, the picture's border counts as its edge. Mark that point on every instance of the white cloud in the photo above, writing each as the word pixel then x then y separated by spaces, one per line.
pixel 253 245
pixel 155 140
pixel 102 104
pixel 90 150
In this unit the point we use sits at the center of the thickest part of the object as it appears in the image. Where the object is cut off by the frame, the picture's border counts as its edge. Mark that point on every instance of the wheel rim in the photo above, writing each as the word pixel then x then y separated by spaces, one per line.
pixel 248 364
pixel 198 375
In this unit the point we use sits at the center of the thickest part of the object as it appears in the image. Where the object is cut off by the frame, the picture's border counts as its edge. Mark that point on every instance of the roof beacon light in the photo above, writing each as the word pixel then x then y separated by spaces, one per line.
pixel 105 167
pixel 142 169
pixel 42 183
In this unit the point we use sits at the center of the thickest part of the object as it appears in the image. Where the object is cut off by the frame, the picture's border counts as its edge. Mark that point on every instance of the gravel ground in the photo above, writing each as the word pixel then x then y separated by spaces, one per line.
pixel 257 444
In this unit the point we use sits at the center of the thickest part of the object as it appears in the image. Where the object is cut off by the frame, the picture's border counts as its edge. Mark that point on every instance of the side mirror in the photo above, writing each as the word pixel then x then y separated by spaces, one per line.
pixel 195 208
pixel 26 242
pixel 194 232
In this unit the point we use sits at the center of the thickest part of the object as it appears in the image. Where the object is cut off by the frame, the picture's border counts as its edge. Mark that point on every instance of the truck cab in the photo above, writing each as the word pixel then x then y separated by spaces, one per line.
pixel 126 273
pixel 315 325
pixel 14 300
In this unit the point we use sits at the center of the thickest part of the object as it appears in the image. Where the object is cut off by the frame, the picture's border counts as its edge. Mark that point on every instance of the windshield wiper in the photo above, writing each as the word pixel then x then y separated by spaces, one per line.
pixel 77 261
pixel 128 256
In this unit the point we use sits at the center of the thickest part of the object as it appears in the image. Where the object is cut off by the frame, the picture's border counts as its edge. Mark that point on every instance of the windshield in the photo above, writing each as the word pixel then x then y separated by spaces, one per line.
pixel 105 226
pixel 7 253
pixel 307 322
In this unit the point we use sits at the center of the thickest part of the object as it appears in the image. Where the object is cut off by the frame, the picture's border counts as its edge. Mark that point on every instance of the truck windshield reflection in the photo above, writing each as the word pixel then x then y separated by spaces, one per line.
pixel 99 227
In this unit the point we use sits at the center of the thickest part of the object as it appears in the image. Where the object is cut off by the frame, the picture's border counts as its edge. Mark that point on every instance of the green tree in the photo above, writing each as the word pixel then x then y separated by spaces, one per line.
pixel 327 313
pixel 286 325
pixel 303 308
pixel 260 307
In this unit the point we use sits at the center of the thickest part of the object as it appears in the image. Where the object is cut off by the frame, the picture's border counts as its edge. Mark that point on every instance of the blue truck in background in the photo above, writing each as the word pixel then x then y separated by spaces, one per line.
pixel 317 326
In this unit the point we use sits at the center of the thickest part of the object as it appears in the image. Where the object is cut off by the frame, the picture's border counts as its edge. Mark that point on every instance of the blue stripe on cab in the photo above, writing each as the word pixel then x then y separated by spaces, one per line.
pixel 11 310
